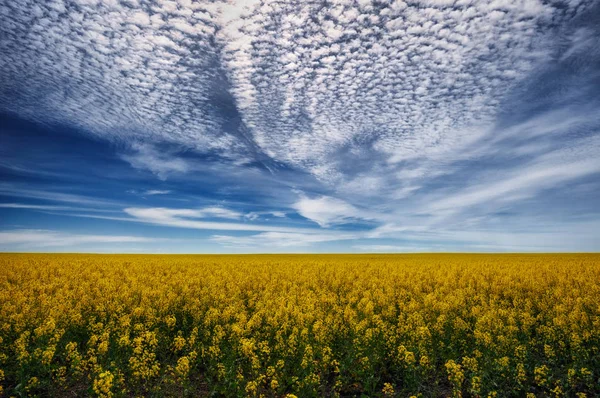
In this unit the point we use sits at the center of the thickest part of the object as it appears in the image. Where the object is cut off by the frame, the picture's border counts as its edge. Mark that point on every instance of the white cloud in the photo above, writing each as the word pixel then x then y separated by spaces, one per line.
pixel 218 212
pixel 409 78
pixel 582 40
pixel 576 236
pixel 188 218
pixel 392 248
pixel 157 192
pixel 252 216
pixel 34 207
pixel 54 209
pixel 135 71
pixel 255 215
pixel 307 80
pixel 45 238
pixel 518 185
pixel 326 210
pixel 17 191
pixel 266 241
pixel 162 164
pixel 206 212
pixel 547 171
pixel 524 233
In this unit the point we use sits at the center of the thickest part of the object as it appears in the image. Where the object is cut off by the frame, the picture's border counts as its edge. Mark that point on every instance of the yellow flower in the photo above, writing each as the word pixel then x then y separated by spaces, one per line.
pixel 557 391
pixel 251 387
pixel 455 376
pixel 103 347
pixel 409 358
pixel 183 367
pixel 272 324
pixel 475 385
pixel 171 321
pixel 388 389
pixel 178 343
pixel 103 384
pixel 32 383
pixel 541 374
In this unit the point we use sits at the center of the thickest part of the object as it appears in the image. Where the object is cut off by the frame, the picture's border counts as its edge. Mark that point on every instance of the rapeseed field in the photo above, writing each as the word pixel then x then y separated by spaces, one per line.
pixel 300 325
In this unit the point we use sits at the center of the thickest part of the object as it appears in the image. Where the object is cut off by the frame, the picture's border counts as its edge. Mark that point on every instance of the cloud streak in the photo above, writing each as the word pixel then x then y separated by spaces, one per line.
pixel 266 241
pixel 45 238
pixel 188 218
pixel 551 170
pixel 52 196
pixel 326 210
pixel 145 157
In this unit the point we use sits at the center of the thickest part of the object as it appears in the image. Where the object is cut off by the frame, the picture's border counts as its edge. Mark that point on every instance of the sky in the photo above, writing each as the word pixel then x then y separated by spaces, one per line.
pixel 259 126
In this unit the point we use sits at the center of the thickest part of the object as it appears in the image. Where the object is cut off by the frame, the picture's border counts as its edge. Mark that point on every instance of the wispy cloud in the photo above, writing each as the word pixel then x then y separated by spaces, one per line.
pixel 208 212
pixel 255 215
pixel 325 210
pixel 392 249
pixel 188 218
pixel 34 207
pixel 145 157
pixel 157 192
pixel 547 171
pixel 51 208
pixel 28 238
pixel 17 191
pixel 266 241
pixel 526 234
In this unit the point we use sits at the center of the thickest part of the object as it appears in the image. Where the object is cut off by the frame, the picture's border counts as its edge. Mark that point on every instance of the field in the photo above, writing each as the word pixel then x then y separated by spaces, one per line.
pixel 300 325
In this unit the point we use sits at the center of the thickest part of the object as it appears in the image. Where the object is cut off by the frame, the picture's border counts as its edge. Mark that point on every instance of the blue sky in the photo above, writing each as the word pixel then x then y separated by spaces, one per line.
pixel 289 126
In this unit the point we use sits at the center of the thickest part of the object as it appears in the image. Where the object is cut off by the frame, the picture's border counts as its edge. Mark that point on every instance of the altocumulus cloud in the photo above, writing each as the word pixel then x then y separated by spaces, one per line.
pixel 308 78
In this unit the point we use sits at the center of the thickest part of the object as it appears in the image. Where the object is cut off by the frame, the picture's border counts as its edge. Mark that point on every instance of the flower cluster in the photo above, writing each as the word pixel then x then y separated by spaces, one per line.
pixel 306 326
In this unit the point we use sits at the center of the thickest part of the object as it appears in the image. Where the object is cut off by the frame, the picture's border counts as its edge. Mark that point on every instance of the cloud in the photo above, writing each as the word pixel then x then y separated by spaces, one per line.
pixel 218 212
pixel 326 210
pixel 44 238
pixel 188 218
pixel 34 207
pixel 54 209
pixel 255 215
pixel 268 240
pixel 581 40
pixel 157 192
pixel 296 82
pixel 17 191
pixel 551 170
pixel 392 248
pixel 162 164
pixel 127 72
pixel 521 233
pixel 409 117
pixel 407 79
